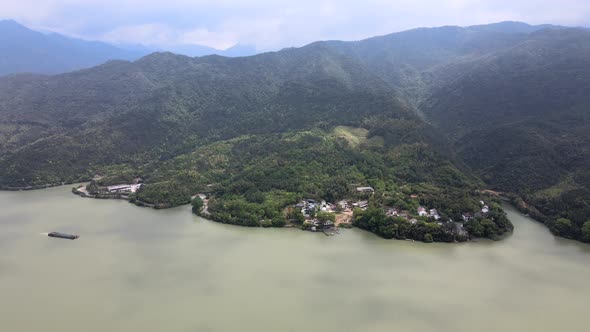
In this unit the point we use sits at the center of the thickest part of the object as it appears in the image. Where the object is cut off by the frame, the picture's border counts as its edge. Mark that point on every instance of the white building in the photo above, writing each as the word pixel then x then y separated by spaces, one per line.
pixel 422 212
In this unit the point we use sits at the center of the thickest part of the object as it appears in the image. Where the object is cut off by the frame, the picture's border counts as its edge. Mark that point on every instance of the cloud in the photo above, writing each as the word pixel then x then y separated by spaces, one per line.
pixel 272 24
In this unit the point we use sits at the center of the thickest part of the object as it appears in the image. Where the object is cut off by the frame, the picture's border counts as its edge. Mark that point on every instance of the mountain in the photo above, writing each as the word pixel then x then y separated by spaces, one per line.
pixel 256 132
pixel 519 117
pixel 425 116
pixel 162 104
pixel 194 50
pixel 25 50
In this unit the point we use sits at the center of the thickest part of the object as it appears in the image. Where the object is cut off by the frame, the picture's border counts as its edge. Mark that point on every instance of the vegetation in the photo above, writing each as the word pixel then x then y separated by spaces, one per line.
pixel 197 205
pixel 491 225
pixel 519 119
pixel 375 221
pixel 236 210
pixel 425 117
pixel 163 194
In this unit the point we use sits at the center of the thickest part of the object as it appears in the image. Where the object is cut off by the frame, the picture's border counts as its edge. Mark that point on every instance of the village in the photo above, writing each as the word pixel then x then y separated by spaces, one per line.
pixel 319 215
pixel 316 220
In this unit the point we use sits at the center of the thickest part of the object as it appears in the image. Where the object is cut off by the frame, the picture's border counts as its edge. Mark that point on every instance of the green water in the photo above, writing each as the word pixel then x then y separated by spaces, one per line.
pixel 138 269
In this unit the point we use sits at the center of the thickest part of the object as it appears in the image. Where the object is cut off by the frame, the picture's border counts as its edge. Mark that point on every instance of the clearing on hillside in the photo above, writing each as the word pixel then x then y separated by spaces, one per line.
pixel 357 137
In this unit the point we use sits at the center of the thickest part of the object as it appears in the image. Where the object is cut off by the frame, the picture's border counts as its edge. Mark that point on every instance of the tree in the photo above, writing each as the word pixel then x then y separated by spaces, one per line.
pixel 266 223
pixel 326 216
pixel 389 232
pixel 255 197
pixel 298 217
pixel 197 204
pixel 562 227
pixel 279 221
pixel 92 187
pixel 475 228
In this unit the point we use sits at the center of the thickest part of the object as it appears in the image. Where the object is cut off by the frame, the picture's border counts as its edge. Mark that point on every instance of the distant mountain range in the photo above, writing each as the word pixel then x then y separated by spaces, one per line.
pixel 435 112
pixel 23 50
pixel 199 50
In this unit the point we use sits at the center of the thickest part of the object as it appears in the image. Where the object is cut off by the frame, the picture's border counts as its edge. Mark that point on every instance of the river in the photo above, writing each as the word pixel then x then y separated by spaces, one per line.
pixel 138 269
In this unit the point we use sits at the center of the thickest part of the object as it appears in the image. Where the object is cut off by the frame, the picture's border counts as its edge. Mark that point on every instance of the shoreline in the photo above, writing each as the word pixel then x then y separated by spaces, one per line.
pixel 41 186
pixel 84 194
pixel 340 224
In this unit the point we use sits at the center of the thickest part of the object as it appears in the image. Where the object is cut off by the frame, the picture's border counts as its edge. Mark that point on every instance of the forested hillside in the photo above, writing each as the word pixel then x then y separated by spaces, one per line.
pixel 520 118
pixel 439 110
pixel 164 105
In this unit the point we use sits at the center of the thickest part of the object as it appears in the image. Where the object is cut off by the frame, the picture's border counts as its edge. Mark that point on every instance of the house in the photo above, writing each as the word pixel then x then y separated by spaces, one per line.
pixel 485 209
pixel 343 205
pixel 404 214
pixel 391 212
pixel 365 189
pixel 467 216
pixel 119 188
pixel 434 214
pixel 361 204
pixel 322 224
pixel 422 211
pixel 413 220
pixel 325 207
pixel 124 188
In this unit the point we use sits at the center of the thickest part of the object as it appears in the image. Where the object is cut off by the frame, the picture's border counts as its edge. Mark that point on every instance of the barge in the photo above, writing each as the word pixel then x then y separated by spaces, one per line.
pixel 63 235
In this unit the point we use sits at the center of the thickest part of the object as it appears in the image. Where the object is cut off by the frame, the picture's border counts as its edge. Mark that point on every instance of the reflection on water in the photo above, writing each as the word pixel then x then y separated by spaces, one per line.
pixel 136 269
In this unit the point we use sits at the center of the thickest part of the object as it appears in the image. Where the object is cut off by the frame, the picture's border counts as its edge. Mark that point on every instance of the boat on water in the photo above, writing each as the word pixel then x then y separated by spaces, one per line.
pixel 63 235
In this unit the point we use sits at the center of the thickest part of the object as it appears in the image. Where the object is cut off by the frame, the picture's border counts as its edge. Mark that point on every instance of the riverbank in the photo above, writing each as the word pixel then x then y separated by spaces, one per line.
pixel 388 227
pixel 37 187
pixel 83 192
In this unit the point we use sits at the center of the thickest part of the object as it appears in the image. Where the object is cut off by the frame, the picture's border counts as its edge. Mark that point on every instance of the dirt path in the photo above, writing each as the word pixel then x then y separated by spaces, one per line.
pixel 343 217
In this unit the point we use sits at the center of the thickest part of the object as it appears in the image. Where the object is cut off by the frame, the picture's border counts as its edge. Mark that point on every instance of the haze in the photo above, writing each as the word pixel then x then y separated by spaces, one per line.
pixel 270 25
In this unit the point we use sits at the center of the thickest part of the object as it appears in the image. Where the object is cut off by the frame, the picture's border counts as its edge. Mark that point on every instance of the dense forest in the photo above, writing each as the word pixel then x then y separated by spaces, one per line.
pixel 429 113
pixel 520 120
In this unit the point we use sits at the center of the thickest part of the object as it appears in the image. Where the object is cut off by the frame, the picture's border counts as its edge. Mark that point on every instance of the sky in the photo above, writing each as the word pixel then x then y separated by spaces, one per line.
pixel 272 24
